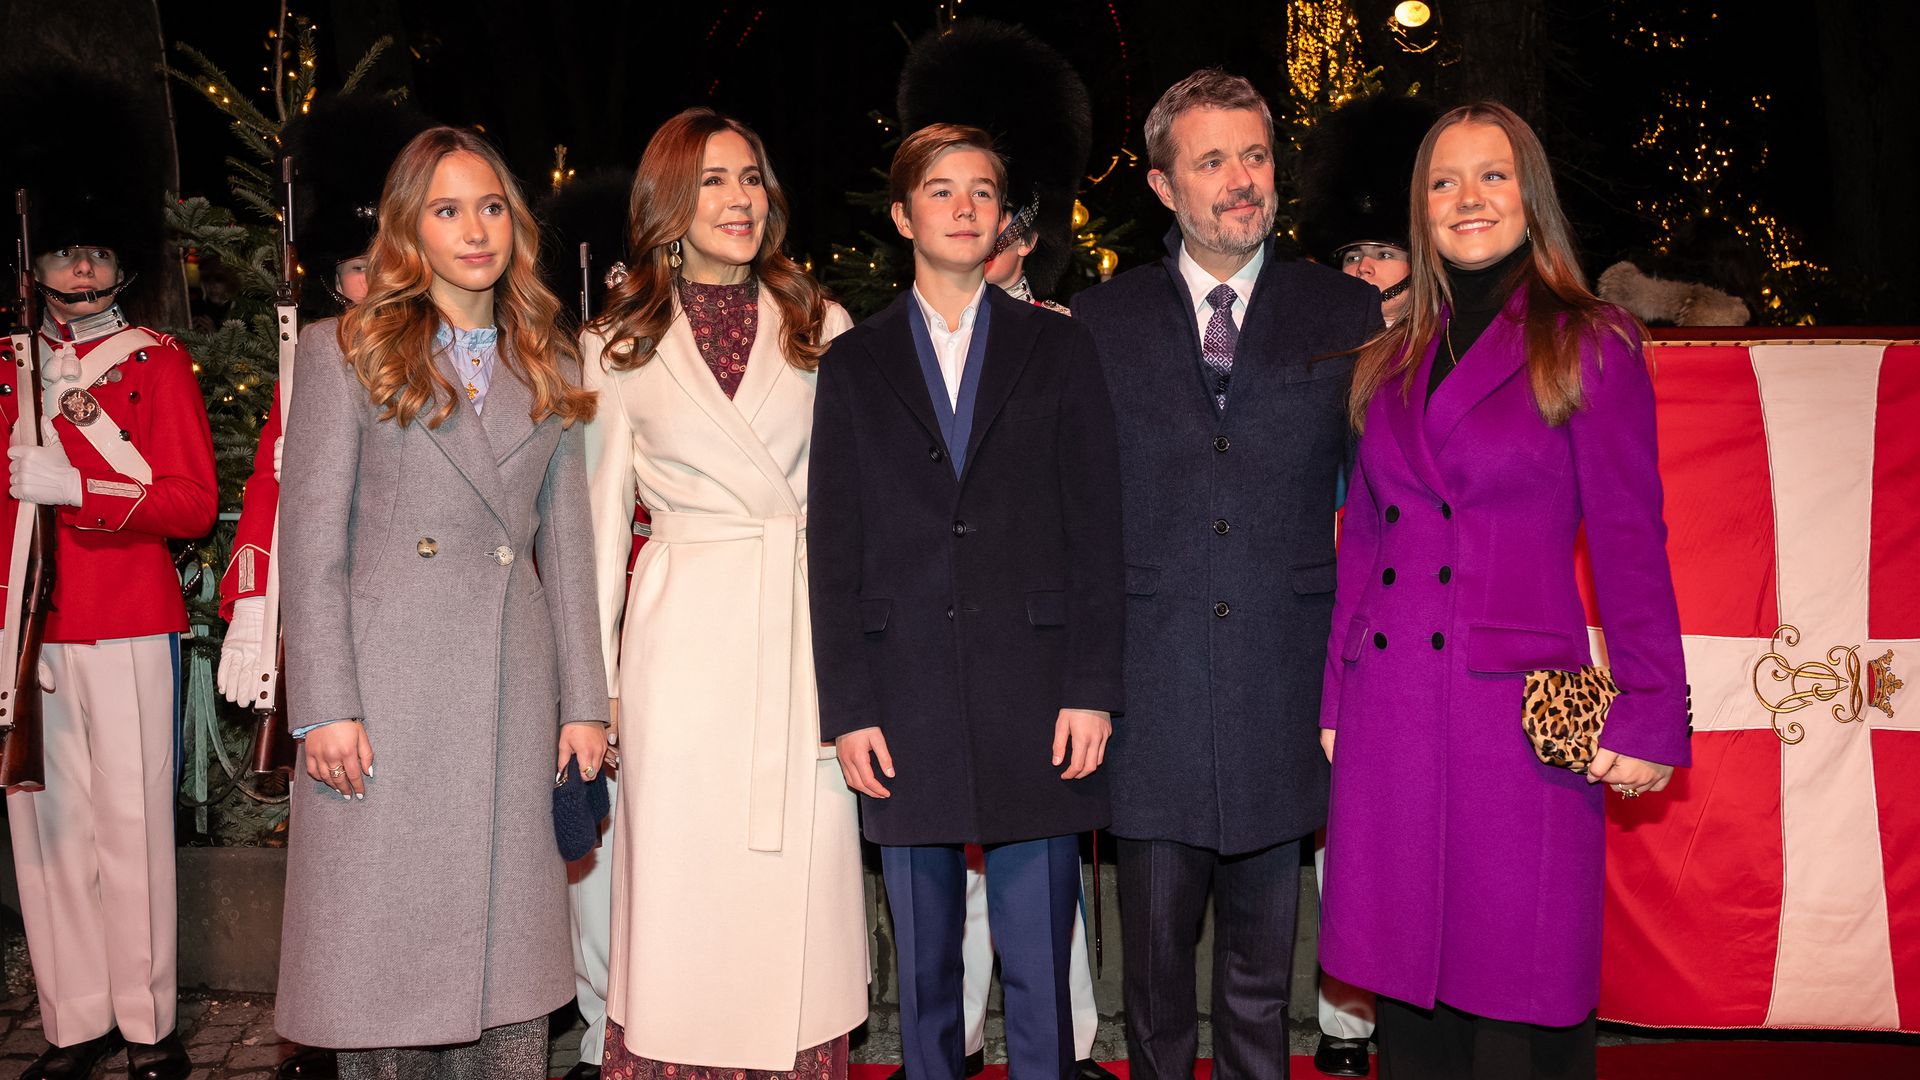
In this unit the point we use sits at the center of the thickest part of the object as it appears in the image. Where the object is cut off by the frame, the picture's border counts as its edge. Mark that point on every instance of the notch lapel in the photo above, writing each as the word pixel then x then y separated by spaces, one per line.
pixel 1010 332
pixel 463 438
pixel 1404 415
pixel 1486 366
pixel 898 359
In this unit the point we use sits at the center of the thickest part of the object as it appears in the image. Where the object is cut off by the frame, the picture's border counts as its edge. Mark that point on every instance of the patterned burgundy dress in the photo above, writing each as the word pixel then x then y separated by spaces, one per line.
pixel 723 319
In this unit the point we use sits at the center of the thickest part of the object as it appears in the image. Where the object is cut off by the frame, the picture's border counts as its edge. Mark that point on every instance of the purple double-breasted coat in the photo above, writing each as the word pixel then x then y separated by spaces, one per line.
pixel 1459 868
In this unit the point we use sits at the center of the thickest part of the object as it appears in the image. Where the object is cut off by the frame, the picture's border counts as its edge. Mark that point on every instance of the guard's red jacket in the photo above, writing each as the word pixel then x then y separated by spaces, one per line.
pixel 246 573
pixel 114 576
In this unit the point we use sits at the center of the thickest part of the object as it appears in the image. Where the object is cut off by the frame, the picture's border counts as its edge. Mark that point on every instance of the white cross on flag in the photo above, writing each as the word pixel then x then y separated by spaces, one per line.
pixel 1776 883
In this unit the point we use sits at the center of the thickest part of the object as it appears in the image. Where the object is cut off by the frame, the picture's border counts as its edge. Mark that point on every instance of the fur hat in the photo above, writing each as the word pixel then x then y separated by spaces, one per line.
pixel 591 210
pixel 1024 93
pixel 341 152
pixel 1356 174
pixel 94 162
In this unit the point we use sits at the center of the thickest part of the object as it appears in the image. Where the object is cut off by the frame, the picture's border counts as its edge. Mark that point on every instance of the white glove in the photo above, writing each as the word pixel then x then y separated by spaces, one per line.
pixel 42 474
pixel 241 651
pixel 279 444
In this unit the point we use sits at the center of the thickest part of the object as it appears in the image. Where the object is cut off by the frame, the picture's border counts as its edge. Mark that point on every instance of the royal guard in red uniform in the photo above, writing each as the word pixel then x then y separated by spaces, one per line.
pixel 126 459
pixel 341 151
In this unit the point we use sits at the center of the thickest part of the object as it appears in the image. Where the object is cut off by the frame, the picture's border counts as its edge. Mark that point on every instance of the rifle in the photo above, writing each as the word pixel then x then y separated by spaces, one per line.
pixel 30 568
pixel 272 740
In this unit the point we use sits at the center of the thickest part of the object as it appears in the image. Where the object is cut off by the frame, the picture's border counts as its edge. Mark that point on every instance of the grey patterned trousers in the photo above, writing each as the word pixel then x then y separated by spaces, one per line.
pixel 509 1052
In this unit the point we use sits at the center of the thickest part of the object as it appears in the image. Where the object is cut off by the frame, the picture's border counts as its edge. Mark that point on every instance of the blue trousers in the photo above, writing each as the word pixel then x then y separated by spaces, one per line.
pixel 1032 890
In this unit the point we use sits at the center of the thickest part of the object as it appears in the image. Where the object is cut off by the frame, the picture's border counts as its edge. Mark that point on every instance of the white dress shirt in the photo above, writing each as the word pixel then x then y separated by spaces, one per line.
pixel 950 344
pixel 1200 282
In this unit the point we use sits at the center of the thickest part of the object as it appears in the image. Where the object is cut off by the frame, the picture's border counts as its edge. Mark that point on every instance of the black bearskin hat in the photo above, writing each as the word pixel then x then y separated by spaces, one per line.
pixel 103 182
pixel 1022 92
pixel 591 210
pixel 1356 174
pixel 341 152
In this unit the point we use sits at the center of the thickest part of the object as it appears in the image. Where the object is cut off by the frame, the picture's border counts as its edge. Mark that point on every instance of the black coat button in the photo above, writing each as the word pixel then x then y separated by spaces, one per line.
pixel 935 454
pixel 1446 511
pixel 1446 574
pixel 1379 641
pixel 1220 526
pixel 1386 578
pixel 1220 609
pixel 959 528
pixel 1220 443
pixel 133 395
pixel 949 614
pixel 125 435
pixel 6 390
pixel 1393 514
pixel 1439 640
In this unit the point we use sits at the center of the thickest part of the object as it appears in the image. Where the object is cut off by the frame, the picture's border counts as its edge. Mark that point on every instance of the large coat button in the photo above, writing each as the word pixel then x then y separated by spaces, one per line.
pixel 1446 511
pixel 1439 640
pixel 1393 514
pixel 936 455
pixel 1220 443
pixel 1220 609
pixel 503 555
pixel 1446 574
pixel 959 528
pixel 427 548
pixel 1220 526
pixel 1386 577
pixel 1379 641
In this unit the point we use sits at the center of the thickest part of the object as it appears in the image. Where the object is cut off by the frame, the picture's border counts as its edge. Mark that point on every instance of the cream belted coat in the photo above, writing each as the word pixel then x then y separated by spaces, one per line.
pixel 738 919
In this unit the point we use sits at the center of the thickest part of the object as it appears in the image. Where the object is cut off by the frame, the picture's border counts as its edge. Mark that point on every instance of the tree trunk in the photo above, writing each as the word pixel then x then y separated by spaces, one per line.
pixel 119 40
pixel 1502 48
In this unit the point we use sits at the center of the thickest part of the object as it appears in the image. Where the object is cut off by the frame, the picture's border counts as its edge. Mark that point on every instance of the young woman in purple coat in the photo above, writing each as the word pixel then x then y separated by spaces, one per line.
pixel 1507 410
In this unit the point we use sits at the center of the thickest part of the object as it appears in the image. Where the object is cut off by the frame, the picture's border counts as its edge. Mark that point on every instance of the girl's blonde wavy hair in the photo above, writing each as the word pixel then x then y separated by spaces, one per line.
pixel 388 337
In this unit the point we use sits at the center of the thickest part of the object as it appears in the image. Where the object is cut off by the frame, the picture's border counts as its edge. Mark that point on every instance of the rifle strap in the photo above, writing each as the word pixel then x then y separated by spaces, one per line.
pixel 70 395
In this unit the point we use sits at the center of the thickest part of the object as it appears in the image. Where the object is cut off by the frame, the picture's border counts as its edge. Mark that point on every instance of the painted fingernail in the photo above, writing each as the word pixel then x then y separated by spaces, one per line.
pixel 360 795
pixel 369 770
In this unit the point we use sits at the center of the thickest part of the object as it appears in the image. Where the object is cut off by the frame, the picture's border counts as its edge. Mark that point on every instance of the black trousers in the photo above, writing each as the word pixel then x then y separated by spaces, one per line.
pixel 1163 897
pixel 1446 1044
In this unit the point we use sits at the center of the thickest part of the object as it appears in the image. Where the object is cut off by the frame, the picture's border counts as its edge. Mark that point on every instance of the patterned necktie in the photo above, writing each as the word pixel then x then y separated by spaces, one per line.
pixel 1216 348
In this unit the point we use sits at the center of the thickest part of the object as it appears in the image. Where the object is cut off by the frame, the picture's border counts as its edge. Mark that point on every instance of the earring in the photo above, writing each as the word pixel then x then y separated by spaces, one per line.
pixel 673 254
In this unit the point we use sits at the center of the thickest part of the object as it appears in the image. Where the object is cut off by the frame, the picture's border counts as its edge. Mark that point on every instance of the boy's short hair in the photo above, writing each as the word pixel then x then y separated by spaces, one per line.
pixel 918 152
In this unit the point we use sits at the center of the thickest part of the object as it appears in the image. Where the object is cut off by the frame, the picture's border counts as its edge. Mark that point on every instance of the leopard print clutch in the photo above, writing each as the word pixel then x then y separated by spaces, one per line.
pixel 1563 714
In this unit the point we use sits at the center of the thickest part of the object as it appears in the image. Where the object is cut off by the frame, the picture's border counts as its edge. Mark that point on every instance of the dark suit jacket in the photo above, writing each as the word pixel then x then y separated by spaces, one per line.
pixel 960 615
pixel 1229 526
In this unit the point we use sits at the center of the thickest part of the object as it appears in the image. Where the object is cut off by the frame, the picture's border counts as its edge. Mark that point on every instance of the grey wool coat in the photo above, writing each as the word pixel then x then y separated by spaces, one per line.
pixel 436 907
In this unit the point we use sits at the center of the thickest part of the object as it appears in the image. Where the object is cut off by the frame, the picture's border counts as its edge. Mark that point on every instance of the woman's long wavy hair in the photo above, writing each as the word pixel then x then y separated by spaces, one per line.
pixel 1563 315
pixel 666 192
pixel 388 337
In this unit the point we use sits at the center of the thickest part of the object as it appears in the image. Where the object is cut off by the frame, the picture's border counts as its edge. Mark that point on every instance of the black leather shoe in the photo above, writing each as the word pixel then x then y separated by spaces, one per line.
pixel 310 1063
pixel 1090 1069
pixel 74 1062
pixel 1342 1057
pixel 164 1060
pixel 584 1071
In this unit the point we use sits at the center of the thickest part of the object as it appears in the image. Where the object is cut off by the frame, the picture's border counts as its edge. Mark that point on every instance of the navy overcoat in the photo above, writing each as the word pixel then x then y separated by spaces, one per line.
pixel 961 614
pixel 1229 526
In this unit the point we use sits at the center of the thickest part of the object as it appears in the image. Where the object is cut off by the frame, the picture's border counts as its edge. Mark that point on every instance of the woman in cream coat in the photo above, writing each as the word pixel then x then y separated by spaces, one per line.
pixel 738 919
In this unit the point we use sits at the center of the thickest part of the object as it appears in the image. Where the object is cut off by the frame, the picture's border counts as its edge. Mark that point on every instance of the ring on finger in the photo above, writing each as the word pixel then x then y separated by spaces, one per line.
pixel 337 771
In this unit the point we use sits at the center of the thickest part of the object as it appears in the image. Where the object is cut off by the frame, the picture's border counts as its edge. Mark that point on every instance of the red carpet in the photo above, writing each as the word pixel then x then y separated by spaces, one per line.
pixel 1744 1060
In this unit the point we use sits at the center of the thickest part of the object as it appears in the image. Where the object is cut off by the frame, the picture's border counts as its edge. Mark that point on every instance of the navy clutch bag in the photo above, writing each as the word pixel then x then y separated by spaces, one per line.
pixel 579 806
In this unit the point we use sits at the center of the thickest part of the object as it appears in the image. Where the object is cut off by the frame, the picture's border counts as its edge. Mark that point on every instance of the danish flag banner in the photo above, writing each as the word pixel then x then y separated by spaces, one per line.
pixel 1776 883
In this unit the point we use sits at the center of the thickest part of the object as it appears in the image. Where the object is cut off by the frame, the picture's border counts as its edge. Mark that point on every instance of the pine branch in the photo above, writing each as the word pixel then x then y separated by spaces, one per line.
pixel 360 70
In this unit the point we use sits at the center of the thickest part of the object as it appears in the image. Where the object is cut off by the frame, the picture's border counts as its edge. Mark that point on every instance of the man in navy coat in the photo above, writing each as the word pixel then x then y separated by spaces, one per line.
pixel 964 560
pixel 1229 370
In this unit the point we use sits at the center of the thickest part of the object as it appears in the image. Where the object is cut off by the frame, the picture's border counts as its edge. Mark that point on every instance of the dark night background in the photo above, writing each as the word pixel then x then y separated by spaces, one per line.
pixel 1808 102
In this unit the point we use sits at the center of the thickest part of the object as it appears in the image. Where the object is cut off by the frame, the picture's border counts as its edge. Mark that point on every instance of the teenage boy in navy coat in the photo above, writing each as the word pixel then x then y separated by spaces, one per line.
pixel 964 556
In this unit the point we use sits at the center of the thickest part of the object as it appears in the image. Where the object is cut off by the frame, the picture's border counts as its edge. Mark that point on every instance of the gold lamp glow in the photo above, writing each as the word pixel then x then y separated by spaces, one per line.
pixel 1412 14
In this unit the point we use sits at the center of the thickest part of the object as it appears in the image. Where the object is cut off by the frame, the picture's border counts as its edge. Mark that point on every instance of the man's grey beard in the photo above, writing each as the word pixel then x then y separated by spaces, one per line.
pixel 1208 231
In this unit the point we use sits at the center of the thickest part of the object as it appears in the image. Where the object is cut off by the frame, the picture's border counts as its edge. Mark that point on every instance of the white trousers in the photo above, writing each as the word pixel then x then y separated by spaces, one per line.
pixel 94 851
pixel 590 896
pixel 1346 1012
pixel 976 954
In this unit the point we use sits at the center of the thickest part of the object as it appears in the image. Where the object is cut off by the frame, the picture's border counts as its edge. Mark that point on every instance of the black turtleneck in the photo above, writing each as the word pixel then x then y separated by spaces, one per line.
pixel 1478 295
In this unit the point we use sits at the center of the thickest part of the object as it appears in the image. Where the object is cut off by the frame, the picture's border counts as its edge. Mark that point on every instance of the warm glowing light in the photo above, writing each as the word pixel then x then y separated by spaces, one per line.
pixel 1412 13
